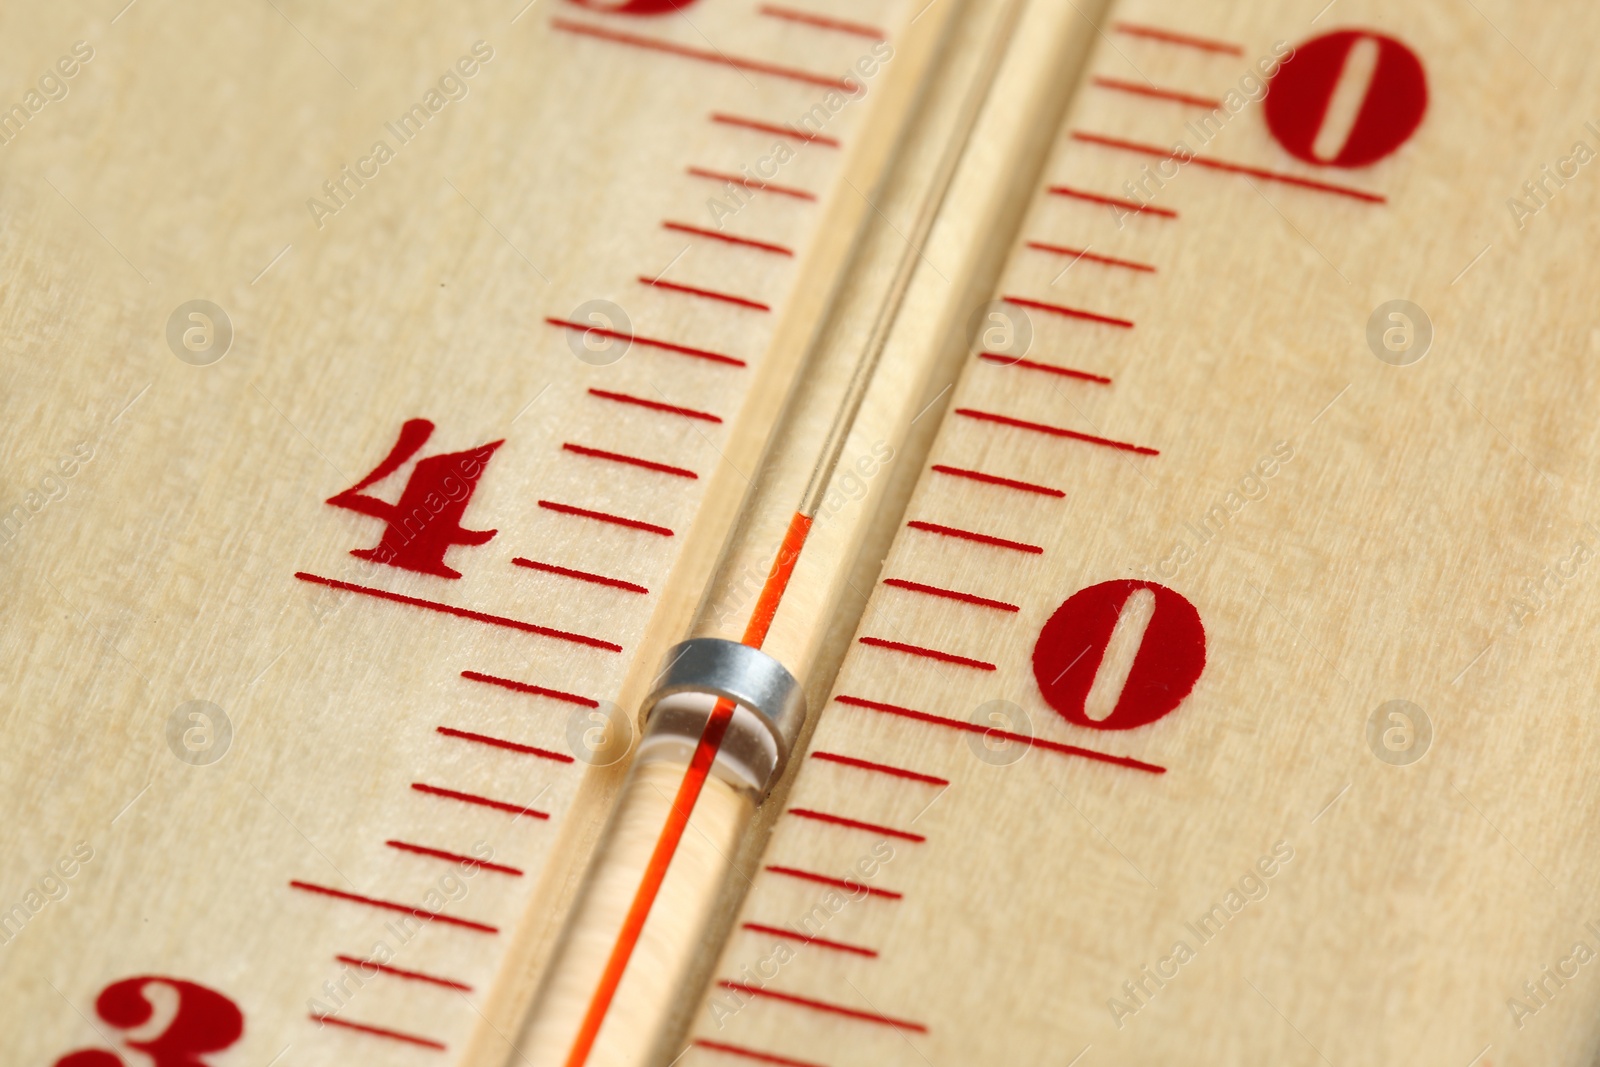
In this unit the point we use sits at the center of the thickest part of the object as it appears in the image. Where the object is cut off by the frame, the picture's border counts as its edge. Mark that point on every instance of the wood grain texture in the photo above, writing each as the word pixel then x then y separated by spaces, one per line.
pixel 1423 536
pixel 162 569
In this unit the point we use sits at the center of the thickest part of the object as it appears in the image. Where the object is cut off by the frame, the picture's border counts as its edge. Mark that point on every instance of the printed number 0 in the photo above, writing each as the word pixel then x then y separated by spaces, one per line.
pixel 206 1021
pixel 633 7
pixel 1170 656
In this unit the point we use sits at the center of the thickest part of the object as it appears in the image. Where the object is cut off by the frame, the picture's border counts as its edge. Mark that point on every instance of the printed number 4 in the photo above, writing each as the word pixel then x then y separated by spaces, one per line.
pixel 204 1021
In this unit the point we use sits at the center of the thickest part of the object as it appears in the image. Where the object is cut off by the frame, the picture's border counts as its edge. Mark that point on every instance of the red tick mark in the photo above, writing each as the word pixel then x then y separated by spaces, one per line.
pixel 1228 168
pixel 649 342
pixel 1155 33
pixel 1055 431
pixel 654 405
pixel 482 802
pixel 879 768
pixel 750 1054
pixel 820 942
pixel 535 690
pixel 709 294
pixel 601 516
pixel 509 746
pixel 751 184
pixel 743 242
pixel 995 479
pixel 950 594
pixel 389 905
pixel 824 1006
pixel 856 824
pixel 378 1031
pixel 1156 93
pixel 1071 313
pixel 1130 206
pixel 400 972
pixel 1000 360
pixel 463 613
pixel 773 128
pixel 789 14
pixel 926 653
pixel 752 66
pixel 1085 254
pixel 837 883
pixel 978 728
pixel 978 538
pixel 582 576
pixel 454 857
pixel 631 461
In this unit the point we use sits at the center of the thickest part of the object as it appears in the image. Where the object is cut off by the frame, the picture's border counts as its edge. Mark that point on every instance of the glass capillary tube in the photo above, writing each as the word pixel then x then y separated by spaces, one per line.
pixel 660 870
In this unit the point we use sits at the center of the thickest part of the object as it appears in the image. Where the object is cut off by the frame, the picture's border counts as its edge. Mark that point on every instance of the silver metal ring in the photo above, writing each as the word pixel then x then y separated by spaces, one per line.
pixel 747 676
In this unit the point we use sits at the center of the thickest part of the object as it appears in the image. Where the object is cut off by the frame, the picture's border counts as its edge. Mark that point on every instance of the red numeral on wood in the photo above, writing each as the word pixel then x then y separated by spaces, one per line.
pixel 1171 655
pixel 205 1021
pixel 1390 108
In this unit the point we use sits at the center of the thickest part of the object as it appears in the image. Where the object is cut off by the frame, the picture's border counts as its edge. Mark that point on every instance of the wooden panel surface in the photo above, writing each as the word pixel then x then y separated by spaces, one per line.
pixel 1263 876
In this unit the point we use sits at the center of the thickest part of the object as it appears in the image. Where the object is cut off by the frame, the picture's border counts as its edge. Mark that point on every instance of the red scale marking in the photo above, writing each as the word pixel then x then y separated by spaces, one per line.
pixel 631 461
pixel 926 653
pixel 820 942
pixel 502 743
pixel 389 905
pixel 999 360
pixel 400 972
pixel 824 1006
pixel 728 238
pixel 995 479
pixel 1156 92
pixel 751 66
pixel 750 1053
pixel 454 857
pixel 856 824
pixel 978 728
pixel 1156 33
pixel 606 517
pixel 1092 257
pixel 1157 151
pixel 378 1031
pixel 582 576
pixel 789 14
pixel 1131 206
pixel 950 594
pixel 482 802
pixel 880 768
pixel 654 405
pixel 463 613
pixel 739 179
pixel 978 538
pixel 773 128
pixel 1055 431
pixel 649 342
pixel 837 883
pixel 1069 312
pixel 534 690
pixel 709 294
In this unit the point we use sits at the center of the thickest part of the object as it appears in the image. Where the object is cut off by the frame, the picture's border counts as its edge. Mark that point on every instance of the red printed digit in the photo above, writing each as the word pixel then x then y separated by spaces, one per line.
pixel 1389 110
pixel 205 1021
pixel 1170 656
pixel 426 522
pixel 634 7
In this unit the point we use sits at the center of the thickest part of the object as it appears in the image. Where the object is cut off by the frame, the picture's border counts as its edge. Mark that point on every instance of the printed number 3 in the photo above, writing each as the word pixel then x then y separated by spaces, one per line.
pixel 205 1021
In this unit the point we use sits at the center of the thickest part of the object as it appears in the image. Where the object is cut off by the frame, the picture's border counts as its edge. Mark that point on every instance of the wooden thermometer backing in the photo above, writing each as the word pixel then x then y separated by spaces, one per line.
pixel 325 592
pixel 1229 612
pixel 1224 698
